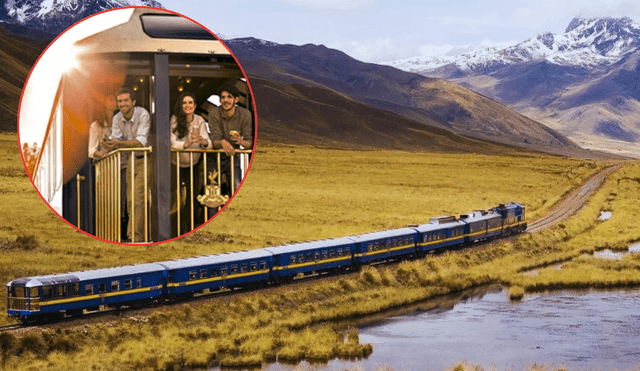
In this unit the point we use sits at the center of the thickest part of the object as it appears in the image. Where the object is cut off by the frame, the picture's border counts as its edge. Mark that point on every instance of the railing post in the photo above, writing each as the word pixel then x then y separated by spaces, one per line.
pixel 161 197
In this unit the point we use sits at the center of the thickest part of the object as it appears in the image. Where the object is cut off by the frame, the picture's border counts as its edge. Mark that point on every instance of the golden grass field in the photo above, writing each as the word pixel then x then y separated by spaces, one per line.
pixel 295 193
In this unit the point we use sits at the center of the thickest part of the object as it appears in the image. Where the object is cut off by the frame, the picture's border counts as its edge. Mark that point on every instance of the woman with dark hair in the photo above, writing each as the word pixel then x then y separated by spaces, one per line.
pixel 188 131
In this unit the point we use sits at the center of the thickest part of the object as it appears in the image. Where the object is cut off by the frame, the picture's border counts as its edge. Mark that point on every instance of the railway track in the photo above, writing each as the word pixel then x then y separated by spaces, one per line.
pixel 569 206
pixel 11 327
pixel 572 203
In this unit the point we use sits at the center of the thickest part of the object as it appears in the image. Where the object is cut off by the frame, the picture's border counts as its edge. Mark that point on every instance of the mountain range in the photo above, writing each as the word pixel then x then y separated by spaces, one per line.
pixel 583 82
pixel 430 104
pixel 312 94
pixel 53 17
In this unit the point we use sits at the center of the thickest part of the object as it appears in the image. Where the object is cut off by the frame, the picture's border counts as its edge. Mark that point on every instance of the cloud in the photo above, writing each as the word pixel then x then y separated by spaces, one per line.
pixel 330 4
pixel 373 50
pixel 554 11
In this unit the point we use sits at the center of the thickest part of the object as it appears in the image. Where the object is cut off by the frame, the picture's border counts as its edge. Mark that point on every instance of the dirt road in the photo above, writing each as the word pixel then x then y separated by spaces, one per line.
pixel 572 203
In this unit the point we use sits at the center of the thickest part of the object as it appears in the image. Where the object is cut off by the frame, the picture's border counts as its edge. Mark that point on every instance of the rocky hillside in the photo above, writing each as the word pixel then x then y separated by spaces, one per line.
pixel 18 55
pixel 427 101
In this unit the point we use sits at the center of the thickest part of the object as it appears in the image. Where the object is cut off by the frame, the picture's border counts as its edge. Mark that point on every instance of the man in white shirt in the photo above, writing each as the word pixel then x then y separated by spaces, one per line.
pixel 131 130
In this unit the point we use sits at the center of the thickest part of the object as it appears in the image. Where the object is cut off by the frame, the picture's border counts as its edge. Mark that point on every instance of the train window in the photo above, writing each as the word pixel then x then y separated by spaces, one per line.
pixel 192 275
pixel 102 287
pixel 293 259
pixel 223 271
pixel 128 284
pixel 309 257
pixel 88 289
pixel 370 247
pixel 214 272
pixel 332 253
pixel 316 256
pixel 254 266
pixel 263 265
pixel 243 268
pixel 301 258
pixel 203 273
pixel 339 252
pixel 75 289
pixel 139 282
pixel 387 244
pixel 34 292
pixel 347 251
pixel 234 269
pixel 47 293
pixel 14 292
pixel 115 285
pixel 324 254
pixel 61 291
pixel 173 27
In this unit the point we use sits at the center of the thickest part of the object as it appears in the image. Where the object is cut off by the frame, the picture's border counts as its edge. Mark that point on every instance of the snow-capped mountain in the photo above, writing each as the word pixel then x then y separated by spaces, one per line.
pixel 582 82
pixel 587 42
pixel 54 16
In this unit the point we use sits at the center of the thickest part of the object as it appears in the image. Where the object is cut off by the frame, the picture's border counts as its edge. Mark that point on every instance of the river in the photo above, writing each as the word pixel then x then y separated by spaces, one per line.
pixel 578 330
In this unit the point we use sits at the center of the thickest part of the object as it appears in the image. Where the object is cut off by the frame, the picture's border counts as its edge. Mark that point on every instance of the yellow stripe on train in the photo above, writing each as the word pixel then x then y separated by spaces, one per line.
pixel 218 278
pixel 315 262
pixel 98 296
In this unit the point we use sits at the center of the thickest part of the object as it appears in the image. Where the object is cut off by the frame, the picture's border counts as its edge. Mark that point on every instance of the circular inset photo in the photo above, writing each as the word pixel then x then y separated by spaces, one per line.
pixel 137 125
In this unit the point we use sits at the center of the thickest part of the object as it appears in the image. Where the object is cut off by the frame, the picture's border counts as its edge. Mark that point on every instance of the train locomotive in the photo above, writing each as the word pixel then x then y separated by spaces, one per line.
pixel 54 296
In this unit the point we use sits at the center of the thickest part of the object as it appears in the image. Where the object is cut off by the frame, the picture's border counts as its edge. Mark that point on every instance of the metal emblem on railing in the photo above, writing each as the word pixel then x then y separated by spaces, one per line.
pixel 211 197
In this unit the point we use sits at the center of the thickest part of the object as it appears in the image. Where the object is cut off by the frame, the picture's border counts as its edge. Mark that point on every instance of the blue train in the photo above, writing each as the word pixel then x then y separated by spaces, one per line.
pixel 54 296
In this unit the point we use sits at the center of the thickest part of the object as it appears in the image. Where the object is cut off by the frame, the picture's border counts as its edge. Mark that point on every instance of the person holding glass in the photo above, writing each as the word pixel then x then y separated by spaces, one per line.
pixel 100 129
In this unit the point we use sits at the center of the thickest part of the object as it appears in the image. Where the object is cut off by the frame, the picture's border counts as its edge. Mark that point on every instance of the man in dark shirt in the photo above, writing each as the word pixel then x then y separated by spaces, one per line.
pixel 230 127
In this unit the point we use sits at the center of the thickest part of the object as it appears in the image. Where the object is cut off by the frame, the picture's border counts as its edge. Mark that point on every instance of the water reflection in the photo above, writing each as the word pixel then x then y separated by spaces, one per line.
pixel 573 329
pixel 608 254
pixel 605 215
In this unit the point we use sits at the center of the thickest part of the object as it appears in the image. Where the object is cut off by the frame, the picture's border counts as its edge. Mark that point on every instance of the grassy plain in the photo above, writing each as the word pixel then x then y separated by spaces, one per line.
pixel 302 193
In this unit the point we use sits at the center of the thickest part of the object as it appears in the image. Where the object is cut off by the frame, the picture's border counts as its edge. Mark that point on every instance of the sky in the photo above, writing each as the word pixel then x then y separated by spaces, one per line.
pixel 380 31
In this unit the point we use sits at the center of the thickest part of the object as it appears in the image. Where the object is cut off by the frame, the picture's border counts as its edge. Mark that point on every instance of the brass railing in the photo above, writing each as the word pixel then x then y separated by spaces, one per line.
pixel 244 154
pixel 47 170
pixel 108 200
